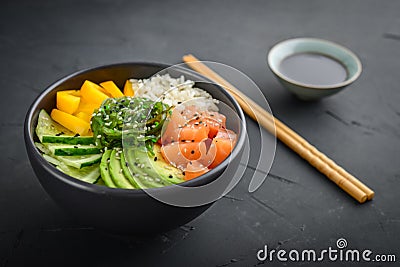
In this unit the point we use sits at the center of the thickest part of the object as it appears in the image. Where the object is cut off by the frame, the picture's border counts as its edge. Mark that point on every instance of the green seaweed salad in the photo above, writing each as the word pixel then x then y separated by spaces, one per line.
pixel 140 115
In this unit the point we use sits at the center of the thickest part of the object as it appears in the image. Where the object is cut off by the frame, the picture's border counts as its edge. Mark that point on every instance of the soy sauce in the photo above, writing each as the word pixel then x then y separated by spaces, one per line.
pixel 313 68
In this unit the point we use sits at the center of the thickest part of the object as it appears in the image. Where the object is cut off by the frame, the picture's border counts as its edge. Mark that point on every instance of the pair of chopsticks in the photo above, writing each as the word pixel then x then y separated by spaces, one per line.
pixel 294 141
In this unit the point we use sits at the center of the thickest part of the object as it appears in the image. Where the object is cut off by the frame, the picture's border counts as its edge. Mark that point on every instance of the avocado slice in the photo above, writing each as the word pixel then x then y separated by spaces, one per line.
pixel 152 171
pixel 164 169
pixel 137 164
pixel 127 172
pixel 105 169
pixel 116 173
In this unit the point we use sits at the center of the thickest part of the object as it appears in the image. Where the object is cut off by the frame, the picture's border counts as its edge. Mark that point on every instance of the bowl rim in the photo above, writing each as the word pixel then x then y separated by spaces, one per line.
pixel 313 86
pixel 98 189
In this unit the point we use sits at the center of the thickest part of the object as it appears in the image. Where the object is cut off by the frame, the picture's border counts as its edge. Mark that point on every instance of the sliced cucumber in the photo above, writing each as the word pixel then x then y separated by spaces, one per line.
pixel 50 131
pixel 73 161
pixel 72 150
pixel 42 148
pixel 72 140
pixel 105 169
pixel 87 174
pixel 116 173
pixel 52 160
pixel 80 161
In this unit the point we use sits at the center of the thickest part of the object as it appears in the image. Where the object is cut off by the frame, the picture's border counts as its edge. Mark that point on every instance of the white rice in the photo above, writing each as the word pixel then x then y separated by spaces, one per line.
pixel 173 91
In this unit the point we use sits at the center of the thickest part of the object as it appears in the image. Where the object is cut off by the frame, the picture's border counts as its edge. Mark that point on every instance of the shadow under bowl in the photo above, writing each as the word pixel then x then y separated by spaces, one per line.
pixel 120 211
pixel 308 91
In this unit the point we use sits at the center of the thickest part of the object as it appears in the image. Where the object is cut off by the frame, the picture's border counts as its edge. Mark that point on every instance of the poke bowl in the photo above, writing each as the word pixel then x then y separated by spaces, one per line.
pixel 77 158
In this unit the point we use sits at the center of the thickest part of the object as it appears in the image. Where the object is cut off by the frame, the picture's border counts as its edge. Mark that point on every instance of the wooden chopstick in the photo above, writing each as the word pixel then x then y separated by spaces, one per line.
pixel 325 165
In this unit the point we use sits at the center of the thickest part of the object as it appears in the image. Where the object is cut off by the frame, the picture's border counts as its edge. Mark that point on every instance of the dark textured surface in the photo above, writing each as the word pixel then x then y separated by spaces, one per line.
pixel 295 208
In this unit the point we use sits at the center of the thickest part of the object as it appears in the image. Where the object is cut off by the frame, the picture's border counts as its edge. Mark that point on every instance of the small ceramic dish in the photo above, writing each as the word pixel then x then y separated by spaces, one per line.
pixel 306 90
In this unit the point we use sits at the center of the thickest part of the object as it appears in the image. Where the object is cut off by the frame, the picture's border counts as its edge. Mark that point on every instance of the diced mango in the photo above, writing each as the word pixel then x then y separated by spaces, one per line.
pixel 128 90
pixel 104 91
pixel 93 93
pixel 111 89
pixel 86 107
pixel 67 102
pixel 98 87
pixel 84 116
pixel 70 122
pixel 71 92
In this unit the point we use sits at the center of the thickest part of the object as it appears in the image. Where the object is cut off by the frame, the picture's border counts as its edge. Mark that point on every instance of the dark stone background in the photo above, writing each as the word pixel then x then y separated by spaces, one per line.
pixel 297 207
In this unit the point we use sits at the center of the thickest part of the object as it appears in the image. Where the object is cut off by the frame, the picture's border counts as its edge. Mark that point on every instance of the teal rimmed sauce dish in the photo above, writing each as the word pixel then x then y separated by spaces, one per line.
pixel 312 68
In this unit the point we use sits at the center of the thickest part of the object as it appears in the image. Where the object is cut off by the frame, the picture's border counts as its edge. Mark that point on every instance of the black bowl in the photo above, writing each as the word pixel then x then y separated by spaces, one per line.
pixel 121 211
